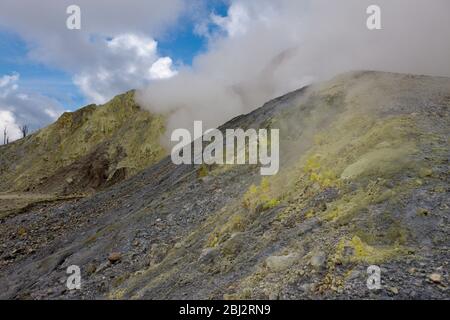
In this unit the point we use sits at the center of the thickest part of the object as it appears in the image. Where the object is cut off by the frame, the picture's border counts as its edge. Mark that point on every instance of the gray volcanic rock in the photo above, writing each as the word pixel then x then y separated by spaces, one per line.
pixel 363 180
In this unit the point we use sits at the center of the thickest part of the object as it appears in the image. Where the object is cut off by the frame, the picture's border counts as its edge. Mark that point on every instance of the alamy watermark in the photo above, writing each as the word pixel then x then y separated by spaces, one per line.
pixel 374 20
pixel 74 279
pixel 237 147
pixel 374 279
pixel 73 22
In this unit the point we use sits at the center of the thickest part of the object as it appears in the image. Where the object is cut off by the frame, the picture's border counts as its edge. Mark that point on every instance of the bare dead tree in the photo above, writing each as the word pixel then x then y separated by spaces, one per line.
pixel 5 136
pixel 24 129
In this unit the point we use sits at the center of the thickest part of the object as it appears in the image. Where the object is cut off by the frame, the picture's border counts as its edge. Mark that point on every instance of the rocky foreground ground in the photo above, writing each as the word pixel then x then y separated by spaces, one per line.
pixel 364 180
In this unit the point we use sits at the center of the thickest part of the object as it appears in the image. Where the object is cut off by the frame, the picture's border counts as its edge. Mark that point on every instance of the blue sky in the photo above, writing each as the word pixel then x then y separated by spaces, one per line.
pixel 34 76
pixel 184 44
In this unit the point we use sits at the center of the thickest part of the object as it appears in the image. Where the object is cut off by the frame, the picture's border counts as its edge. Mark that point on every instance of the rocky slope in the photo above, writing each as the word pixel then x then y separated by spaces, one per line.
pixel 84 150
pixel 364 179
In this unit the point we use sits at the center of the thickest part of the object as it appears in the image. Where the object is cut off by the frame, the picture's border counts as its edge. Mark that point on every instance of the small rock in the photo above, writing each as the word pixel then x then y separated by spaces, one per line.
pixel 354 275
pixel 394 290
pixel 435 277
pixel 422 212
pixel 307 287
pixel 425 172
pixel 114 257
pixel 273 296
pixel 17 251
pixel 208 255
pixel 318 260
pixel 178 245
pixel 234 245
pixel 412 270
pixel 279 263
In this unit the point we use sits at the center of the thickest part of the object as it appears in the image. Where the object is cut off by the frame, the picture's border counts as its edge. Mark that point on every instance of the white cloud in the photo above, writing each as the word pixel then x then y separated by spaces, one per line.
pixel 266 48
pixel 162 69
pixel 113 52
pixel 52 113
pixel 7 80
pixel 18 108
pixel 87 82
pixel 8 84
pixel 8 123
pixel 139 46
pixel 236 21
pixel 128 61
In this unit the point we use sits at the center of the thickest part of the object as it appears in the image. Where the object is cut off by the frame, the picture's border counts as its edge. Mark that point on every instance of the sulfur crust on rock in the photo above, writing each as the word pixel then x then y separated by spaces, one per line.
pixel 111 142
